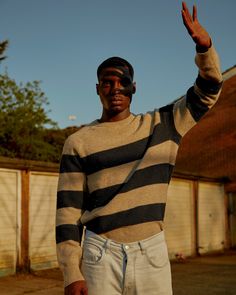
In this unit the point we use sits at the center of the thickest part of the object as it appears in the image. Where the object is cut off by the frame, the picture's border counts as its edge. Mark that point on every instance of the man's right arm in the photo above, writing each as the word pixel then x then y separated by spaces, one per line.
pixel 70 203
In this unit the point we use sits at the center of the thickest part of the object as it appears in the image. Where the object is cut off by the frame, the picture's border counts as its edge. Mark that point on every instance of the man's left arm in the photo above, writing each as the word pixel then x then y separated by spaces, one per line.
pixel 206 59
pixel 206 90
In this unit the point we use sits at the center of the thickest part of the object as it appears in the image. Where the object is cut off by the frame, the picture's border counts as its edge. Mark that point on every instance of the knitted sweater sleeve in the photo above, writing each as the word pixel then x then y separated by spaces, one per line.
pixel 70 202
pixel 202 95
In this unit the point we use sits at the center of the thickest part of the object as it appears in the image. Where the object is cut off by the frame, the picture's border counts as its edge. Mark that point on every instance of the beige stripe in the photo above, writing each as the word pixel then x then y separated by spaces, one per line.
pixel 110 176
pixel 162 153
pixel 209 65
pixel 100 138
pixel 150 194
pixel 67 215
pixel 182 117
pixel 71 181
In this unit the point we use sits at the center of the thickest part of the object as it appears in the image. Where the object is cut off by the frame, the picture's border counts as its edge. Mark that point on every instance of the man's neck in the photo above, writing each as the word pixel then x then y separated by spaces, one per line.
pixel 107 117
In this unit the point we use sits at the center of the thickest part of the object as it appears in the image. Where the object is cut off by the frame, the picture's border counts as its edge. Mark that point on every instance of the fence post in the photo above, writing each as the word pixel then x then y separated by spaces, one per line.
pixel 24 261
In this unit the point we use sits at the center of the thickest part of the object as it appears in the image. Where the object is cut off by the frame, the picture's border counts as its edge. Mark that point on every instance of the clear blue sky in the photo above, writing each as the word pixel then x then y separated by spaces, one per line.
pixel 61 43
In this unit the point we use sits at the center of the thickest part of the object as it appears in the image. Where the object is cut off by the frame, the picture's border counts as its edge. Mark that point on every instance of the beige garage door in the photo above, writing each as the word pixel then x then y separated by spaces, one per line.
pixel 179 218
pixel 232 218
pixel 9 198
pixel 211 217
pixel 43 187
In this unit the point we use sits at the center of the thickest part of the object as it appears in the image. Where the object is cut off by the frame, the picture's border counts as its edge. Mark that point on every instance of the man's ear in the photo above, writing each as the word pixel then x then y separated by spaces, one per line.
pixel 134 88
pixel 97 89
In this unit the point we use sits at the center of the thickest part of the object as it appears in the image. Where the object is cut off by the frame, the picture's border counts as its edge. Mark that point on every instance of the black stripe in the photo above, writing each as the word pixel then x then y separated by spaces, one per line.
pixel 208 86
pixel 168 123
pixel 127 153
pixel 115 157
pixel 70 163
pixel 70 199
pixel 141 214
pixel 160 173
pixel 67 232
pixel 196 107
pixel 133 151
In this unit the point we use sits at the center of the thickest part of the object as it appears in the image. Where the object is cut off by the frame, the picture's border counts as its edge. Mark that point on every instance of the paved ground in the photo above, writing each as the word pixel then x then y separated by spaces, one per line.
pixel 41 283
pixel 215 275
pixel 211 275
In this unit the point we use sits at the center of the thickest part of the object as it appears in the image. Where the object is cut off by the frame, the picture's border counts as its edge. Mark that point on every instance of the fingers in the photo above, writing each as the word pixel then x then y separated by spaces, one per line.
pixel 187 18
pixel 184 5
pixel 194 12
pixel 185 12
pixel 199 35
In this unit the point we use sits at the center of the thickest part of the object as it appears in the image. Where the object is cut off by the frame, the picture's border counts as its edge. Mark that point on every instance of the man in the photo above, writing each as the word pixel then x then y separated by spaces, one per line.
pixel 114 177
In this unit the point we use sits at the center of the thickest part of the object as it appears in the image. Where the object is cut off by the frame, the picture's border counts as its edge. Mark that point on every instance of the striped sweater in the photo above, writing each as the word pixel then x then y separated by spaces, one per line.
pixel 114 176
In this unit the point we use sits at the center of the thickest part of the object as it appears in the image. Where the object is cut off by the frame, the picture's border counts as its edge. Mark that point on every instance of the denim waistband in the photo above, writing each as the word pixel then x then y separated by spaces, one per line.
pixel 143 244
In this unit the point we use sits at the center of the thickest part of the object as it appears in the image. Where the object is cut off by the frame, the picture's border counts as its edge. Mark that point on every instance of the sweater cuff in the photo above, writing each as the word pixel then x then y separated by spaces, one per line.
pixel 72 274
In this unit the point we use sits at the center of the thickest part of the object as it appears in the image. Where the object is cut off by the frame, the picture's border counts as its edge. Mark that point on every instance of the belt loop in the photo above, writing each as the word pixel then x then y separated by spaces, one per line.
pixel 143 250
pixel 106 245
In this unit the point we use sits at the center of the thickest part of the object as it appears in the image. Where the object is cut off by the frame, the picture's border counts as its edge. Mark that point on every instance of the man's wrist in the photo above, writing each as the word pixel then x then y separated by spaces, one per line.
pixel 202 49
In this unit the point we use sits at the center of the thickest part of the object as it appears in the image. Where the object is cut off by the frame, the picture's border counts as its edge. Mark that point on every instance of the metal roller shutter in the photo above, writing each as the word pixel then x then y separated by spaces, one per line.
pixel 211 217
pixel 42 250
pixel 9 223
pixel 179 218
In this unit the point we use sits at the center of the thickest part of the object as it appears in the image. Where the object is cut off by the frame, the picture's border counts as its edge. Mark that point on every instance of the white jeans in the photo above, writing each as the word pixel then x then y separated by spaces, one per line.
pixel 137 268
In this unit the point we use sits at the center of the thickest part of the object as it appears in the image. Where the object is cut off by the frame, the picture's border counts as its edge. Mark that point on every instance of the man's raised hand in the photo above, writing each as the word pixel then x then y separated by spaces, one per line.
pixel 194 28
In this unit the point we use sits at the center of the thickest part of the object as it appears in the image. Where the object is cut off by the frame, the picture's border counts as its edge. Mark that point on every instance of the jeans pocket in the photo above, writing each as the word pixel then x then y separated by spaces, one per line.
pixel 92 253
pixel 157 255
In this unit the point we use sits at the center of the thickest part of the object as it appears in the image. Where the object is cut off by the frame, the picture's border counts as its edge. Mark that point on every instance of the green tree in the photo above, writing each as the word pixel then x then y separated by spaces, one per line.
pixel 3 47
pixel 23 121
pixel 57 137
pixel 26 130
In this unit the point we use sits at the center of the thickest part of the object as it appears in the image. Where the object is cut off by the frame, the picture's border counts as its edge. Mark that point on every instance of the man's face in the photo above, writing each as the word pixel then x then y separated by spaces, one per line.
pixel 115 89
